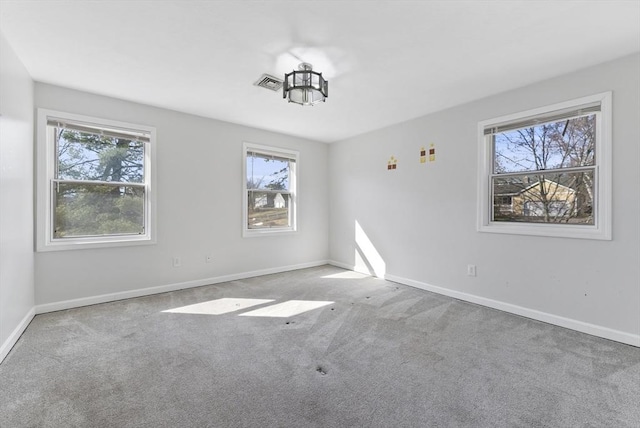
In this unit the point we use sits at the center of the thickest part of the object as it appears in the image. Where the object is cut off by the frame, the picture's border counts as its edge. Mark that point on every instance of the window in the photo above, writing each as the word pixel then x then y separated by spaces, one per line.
pixel 269 190
pixel 94 182
pixel 548 171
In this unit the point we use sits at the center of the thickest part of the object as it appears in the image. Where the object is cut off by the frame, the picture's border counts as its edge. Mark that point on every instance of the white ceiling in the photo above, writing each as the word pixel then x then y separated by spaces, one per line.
pixel 386 61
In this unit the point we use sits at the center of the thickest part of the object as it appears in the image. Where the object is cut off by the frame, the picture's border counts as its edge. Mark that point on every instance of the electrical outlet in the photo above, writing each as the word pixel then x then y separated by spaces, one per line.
pixel 177 262
pixel 208 258
pixel 471 270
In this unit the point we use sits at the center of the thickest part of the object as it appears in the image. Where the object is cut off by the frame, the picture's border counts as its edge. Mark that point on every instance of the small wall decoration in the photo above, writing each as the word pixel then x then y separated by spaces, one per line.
pixel 423 155
pixel 392 163
pixel 432 153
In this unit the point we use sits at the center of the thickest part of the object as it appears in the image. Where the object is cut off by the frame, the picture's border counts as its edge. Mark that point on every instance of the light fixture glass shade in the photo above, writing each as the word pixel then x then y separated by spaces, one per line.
pixel 305 86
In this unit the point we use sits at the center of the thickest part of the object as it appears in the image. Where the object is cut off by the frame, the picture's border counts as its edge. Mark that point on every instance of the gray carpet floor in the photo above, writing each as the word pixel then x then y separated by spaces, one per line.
pixel 380 355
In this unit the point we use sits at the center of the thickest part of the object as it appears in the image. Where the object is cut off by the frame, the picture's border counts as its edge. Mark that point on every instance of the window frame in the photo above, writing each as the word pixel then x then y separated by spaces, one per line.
pixel 601 229
pixel 46 176
pixel 247 148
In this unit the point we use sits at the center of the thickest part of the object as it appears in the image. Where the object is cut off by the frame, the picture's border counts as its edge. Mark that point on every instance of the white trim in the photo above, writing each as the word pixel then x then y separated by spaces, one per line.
pixel 15 335
pixel 45 167
pixel 603 186
pixel 583 327
pixel 344 266
pixel 111 297
pixel 595 330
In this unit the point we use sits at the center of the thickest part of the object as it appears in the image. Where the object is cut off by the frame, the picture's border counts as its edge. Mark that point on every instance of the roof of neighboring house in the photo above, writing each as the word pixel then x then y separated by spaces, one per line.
pixel 507 189
pixel 516 187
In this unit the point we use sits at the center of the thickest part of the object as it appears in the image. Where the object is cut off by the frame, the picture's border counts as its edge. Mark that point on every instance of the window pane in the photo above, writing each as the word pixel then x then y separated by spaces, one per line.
pixel 268 209
pixel 266 172
pixel 89 156
pixel 544 198
pixel 97 209
pixel 564 144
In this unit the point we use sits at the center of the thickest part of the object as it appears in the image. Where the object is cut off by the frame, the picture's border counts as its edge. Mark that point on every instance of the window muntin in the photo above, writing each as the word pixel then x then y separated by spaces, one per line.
pixel 270 178
pixel 547 171
pixel 94 182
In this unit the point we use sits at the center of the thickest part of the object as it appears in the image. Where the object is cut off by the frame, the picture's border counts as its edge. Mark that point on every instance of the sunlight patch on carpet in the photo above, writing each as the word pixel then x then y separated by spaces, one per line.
pixel 286 309
pixel 219 306
pixel 347 275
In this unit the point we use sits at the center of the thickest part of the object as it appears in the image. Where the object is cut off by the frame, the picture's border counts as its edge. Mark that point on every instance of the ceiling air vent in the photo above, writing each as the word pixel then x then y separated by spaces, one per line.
pixel 269 82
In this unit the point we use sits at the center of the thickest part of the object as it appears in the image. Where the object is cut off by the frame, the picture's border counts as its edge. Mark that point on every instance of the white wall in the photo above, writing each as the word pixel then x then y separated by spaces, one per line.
pixel 199 185
pixel 16 198
pixel 421 219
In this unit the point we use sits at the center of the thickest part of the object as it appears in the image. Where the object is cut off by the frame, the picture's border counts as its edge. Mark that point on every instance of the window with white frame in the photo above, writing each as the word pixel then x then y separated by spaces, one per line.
pixel 548 171
pixel 94 182
pixel 269 187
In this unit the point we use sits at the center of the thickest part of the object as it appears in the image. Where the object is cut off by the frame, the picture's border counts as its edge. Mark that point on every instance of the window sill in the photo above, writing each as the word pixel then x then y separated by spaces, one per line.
pixel 545 229
pixel 253 233
pixel 89 243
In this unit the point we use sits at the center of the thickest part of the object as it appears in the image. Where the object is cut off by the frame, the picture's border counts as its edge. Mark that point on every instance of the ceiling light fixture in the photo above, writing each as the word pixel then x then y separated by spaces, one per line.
pixel 305 87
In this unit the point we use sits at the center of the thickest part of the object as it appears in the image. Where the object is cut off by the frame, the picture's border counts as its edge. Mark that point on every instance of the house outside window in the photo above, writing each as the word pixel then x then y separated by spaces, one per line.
pixel 269 190
pixel 94 185
pixel 548 171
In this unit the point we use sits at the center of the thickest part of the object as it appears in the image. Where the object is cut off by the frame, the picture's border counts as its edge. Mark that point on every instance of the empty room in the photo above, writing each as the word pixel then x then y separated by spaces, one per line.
pixel 319 213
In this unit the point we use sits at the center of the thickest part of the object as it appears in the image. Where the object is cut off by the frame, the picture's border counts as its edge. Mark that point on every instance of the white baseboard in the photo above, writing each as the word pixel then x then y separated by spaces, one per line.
pixel 111 297
pixel 592 329
pixel 343 265
pixel 583 327
pixel 15 334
